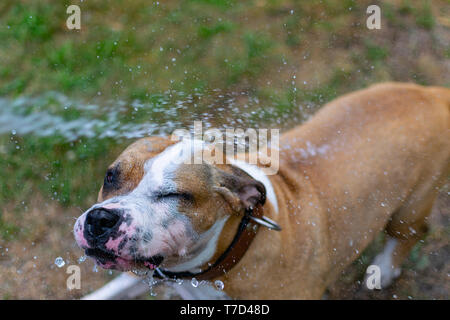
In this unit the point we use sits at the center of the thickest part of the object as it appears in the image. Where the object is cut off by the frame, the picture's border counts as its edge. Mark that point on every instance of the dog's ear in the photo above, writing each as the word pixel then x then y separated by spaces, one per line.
pixel 239 189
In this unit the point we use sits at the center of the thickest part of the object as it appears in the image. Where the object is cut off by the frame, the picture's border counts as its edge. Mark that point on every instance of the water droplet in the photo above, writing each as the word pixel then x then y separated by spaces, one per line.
pixel 219 285
pixel 194 282
pixel 60 262
pixel 151 283
pixel 140 272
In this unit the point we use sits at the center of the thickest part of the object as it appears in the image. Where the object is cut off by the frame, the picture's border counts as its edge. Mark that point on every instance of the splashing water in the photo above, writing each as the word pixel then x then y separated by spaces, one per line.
pixel 142 273
pixel 219 285
pixel 151 282
pixel 60 262
pixel 194 282
pixel 53 113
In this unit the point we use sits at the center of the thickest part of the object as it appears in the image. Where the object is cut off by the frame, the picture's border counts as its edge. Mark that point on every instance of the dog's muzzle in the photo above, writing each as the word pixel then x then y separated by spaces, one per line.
pixel 100 225
pixel 106 237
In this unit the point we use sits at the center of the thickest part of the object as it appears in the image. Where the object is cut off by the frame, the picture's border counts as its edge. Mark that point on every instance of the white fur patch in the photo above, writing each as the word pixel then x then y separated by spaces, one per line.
pixel 209 240
pixel 169 160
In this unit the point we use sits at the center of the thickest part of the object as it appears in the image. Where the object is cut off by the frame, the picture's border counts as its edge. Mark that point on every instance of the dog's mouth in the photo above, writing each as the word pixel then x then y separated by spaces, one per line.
pixel 109 260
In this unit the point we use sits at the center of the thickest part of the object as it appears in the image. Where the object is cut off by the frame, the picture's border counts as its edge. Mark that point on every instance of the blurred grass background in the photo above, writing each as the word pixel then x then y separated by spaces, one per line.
pixel 274 62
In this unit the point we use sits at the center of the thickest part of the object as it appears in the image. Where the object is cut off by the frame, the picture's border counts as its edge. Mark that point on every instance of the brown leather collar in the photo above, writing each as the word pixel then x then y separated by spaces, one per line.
pixel 233 254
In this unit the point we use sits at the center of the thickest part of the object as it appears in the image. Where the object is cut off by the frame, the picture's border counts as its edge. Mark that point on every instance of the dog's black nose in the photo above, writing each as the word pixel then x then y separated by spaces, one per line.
pixel 100 223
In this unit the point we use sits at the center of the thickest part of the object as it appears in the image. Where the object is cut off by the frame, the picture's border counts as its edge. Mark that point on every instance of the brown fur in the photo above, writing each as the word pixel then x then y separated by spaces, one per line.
pixel 131 163
pixel 388 152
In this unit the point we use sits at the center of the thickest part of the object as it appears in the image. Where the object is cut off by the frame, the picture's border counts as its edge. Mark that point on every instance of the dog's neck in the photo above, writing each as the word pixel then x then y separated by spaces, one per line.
pixel 217 237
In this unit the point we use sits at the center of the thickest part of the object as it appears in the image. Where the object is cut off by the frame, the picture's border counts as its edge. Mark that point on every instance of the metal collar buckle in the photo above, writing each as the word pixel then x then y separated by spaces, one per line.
pixel 266 222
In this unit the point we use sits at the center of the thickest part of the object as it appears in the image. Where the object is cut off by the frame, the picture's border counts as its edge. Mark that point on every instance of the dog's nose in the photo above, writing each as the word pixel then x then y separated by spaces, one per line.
pixel 101 222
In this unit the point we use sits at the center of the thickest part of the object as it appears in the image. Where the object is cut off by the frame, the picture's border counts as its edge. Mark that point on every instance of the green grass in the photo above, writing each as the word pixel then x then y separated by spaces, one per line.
pixel 143 51
pixel 424 16
pixel 447 53
pixel 8 231
pixel 405 7
pixel 375 53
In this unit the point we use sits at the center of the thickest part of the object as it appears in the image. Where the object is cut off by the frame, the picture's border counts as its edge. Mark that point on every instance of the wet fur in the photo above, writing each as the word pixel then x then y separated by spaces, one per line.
pixel 369 161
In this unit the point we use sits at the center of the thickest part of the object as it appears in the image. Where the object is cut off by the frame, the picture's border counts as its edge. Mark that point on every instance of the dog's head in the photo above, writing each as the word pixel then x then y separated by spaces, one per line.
pixel 154 208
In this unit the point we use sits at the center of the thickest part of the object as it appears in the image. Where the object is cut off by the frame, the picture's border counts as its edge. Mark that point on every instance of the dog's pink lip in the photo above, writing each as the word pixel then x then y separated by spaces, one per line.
pixel 149 265
pixel 109 260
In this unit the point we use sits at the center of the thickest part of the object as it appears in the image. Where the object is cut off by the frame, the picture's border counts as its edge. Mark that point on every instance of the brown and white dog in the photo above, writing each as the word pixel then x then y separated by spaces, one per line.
pixel 369 161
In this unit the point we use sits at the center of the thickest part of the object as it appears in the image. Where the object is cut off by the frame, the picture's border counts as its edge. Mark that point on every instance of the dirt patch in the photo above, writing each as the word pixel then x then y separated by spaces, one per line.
pixel 27 262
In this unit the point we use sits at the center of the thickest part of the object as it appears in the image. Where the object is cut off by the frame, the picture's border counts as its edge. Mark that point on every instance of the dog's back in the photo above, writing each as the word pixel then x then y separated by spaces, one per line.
pixel 376 159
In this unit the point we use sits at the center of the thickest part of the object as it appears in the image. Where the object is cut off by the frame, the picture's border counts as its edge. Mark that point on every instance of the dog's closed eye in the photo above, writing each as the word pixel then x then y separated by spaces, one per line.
pixel 175 195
